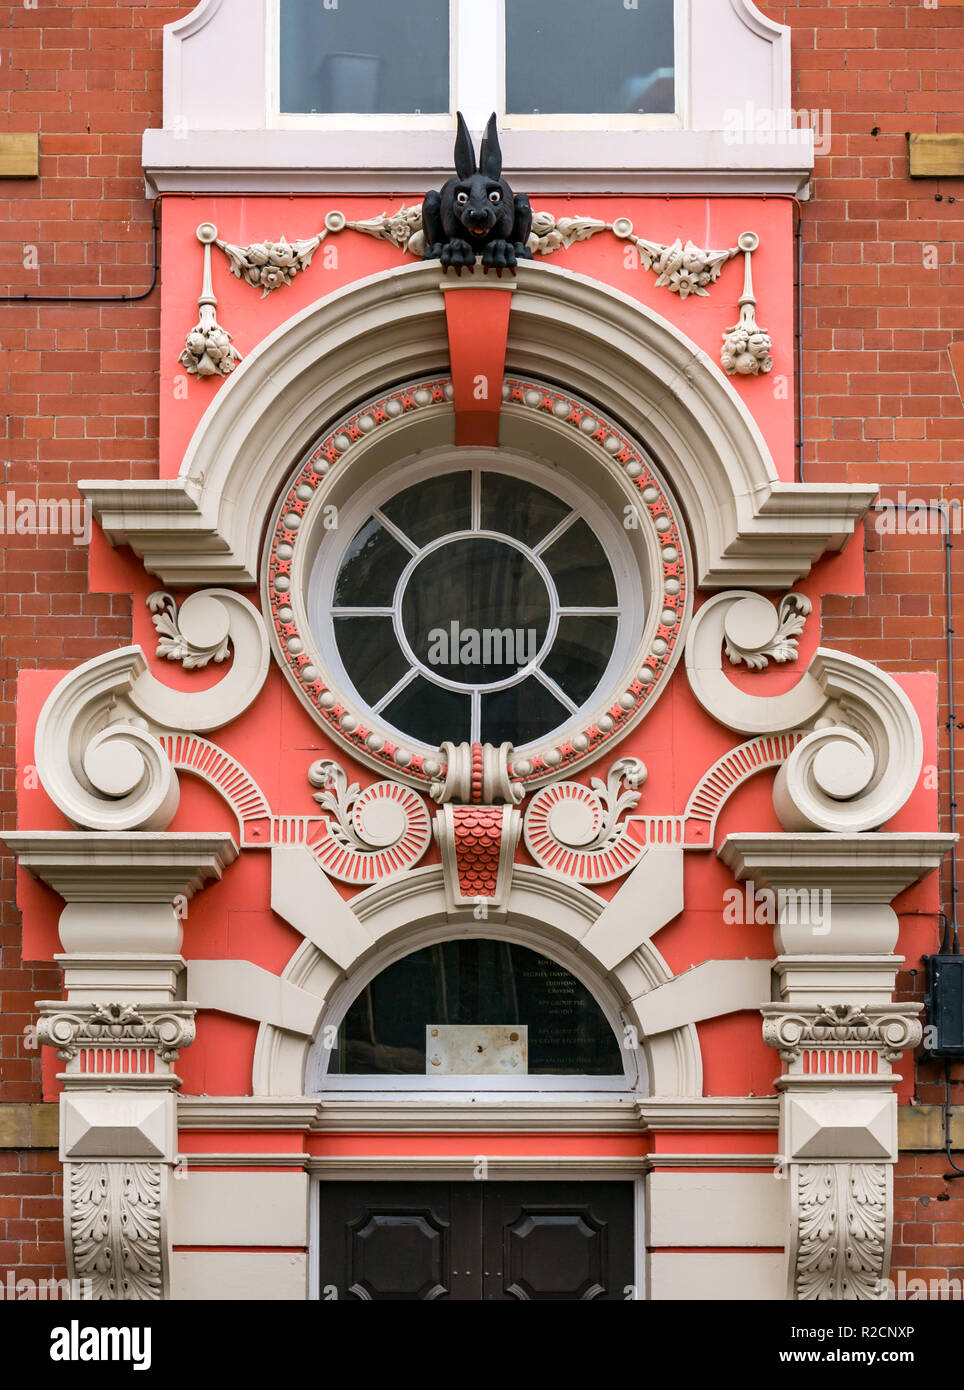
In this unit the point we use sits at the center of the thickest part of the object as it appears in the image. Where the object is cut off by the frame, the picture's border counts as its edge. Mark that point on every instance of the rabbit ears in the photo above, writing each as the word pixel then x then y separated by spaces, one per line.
pixel 490 154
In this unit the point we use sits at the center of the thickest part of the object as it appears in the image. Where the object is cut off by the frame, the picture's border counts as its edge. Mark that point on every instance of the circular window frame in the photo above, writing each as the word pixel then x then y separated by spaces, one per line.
pixel 544 425
pixel 630 604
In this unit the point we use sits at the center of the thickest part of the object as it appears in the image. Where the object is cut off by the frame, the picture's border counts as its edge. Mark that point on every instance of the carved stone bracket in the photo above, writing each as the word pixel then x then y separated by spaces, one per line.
pixel 97 748
pixel 863 749
pixel 840 1230
pixel 478 845
pixel 116 1229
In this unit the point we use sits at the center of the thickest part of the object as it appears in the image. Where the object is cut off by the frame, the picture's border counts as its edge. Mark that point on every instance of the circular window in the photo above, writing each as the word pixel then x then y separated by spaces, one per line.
pixel 475 606
pixel 534 594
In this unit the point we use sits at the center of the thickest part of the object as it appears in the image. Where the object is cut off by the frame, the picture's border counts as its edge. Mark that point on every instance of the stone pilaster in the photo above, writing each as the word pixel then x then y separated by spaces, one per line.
pixel 118 1033
pixel 838 1032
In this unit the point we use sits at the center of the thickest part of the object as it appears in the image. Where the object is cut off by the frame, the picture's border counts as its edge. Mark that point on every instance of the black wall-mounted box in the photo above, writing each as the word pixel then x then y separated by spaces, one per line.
pixel 945 1006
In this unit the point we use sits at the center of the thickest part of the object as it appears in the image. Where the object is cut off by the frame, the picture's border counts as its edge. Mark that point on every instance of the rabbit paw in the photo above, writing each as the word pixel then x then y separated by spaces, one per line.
pixel 457 254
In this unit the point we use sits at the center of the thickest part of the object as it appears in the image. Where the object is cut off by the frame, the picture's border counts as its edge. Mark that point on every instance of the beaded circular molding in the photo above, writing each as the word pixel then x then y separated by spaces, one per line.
pixel 343 716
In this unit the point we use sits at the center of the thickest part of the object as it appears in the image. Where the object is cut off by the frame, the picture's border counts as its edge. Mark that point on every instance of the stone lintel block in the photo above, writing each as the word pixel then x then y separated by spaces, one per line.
pixel 121 1124
pixel 839 1125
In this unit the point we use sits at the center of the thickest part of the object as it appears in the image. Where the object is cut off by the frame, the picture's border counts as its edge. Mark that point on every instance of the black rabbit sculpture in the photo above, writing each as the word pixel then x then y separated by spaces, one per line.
pixel 476 212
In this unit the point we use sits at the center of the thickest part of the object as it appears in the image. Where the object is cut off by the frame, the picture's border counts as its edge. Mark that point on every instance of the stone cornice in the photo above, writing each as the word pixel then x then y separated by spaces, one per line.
pixel 128 867
pixel 709 1112
pixel 337 162
pixel 557 1114
pixel 871 867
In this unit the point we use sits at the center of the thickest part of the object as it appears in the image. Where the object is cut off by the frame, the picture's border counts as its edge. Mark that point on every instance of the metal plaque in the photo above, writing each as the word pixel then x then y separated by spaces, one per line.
pixel 469 1049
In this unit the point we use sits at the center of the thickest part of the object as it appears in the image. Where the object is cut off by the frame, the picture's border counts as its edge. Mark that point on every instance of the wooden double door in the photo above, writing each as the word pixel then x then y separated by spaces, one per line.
pixel 476 1241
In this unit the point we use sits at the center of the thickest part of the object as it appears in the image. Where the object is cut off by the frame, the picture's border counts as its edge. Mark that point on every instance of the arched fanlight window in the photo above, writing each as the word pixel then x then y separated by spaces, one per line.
pixel 475 1013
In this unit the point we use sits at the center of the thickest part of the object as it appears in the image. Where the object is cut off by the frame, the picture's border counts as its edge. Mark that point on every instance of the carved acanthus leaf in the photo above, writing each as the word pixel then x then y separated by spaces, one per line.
pixel 173 644
pixel 338 799
pixel 115 1229
pixel 550 233
pixel 840 1237
pixel 402 228
pixel 576 830
pixel 782 645
pixel 371 833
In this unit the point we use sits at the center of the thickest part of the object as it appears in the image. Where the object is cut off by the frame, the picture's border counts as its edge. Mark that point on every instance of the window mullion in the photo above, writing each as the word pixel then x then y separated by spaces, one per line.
pixel 478 83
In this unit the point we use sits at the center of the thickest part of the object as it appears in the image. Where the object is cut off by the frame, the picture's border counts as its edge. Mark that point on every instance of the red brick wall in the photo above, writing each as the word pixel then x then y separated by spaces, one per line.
pixel 80 391
pixel 31 1215
pixel 928 1219
pixel 79 384
pixel 881 400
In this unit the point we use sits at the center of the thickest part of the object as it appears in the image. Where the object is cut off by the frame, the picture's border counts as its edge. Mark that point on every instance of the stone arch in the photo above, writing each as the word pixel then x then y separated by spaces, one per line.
pixel 206 526
pixel 543 912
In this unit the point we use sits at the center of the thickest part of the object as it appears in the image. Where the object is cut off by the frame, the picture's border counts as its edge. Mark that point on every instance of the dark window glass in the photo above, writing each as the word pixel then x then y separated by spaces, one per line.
pixel 432 509
pixel 582 574
pixel 476 982
pixel 371 654
pixel 475 611
pixel 518 509
pixel 366 56
pixel 580 655
pixel 520 713
pixel 604 56
pixel 370 569
pixel 430 714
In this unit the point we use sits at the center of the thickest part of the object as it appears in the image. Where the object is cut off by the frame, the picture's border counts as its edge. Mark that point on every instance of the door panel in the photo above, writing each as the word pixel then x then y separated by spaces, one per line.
pixel 469 1241
pixel 569 1241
